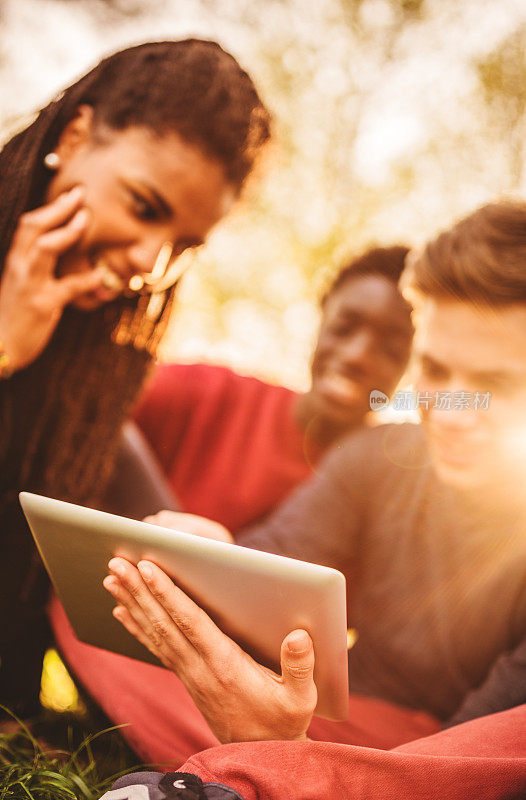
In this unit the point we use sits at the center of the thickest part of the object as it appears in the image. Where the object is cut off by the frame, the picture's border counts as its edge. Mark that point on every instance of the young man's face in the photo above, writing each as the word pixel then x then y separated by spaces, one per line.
pixel 363 344
pixel 479 440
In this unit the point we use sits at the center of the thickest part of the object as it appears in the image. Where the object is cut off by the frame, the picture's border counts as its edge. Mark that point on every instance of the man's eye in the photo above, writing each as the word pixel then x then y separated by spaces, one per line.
pixel 498 384
pixel 142 208
pixel 343 327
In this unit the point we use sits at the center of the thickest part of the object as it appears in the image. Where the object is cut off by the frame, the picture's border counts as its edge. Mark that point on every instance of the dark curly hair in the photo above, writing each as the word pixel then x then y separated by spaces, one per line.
pixel 386 261
pixel 62 440
pixel 60 418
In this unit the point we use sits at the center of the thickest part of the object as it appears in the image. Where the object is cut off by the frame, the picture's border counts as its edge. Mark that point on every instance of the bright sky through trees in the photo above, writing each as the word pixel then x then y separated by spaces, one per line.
pixel 392 118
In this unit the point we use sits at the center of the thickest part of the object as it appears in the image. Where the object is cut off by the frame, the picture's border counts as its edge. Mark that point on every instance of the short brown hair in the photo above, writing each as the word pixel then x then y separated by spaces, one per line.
pixel 481 259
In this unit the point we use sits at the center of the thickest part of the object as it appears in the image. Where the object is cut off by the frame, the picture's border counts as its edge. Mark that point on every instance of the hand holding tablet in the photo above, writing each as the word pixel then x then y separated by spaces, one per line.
pixel 244 605
pixel 240 699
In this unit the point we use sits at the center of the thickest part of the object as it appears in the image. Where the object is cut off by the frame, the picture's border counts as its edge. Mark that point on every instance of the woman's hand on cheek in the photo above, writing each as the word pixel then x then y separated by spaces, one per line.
pixel 240 699
pixel 31 297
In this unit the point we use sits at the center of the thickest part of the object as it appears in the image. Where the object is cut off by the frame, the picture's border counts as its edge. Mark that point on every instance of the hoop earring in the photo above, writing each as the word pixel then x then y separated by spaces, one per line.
pixel 52 161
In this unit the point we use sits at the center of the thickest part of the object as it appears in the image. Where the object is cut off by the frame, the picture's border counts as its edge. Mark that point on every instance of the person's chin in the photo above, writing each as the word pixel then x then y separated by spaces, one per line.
pixel 348 414
pixel 458 469
pixel 456 476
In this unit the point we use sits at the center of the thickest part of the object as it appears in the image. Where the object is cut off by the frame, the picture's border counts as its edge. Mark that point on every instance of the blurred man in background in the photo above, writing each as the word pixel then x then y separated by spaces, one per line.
pixel 233 447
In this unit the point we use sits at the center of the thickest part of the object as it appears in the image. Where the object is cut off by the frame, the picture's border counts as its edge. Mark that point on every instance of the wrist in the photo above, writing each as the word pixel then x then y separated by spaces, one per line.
pixel 11 359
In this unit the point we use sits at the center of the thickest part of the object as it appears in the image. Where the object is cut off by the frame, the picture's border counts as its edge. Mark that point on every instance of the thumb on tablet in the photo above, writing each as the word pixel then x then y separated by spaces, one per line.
pixel 297 665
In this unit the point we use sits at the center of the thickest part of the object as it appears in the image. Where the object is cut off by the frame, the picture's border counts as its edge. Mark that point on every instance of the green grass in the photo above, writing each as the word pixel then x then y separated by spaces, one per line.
pixel 30 770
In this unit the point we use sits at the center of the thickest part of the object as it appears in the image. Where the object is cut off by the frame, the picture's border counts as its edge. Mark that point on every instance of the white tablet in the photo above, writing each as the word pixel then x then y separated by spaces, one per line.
pixel 256 598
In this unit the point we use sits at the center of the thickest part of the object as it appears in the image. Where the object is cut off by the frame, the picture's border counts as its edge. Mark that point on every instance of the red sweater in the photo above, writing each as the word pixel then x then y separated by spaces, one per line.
pixel 230 445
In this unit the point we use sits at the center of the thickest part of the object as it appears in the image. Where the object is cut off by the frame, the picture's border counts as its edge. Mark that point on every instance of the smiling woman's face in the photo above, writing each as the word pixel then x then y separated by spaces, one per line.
pixel 141 190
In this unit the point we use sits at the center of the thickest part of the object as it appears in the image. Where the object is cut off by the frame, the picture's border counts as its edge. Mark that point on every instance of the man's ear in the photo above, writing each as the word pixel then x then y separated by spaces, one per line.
pixel 77 132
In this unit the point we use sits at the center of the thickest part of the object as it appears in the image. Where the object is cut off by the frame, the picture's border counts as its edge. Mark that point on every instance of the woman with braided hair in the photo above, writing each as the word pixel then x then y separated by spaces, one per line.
pixel 126 169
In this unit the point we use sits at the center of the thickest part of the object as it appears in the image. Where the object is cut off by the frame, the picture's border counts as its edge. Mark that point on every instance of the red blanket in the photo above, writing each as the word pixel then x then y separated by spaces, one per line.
pixel 484 759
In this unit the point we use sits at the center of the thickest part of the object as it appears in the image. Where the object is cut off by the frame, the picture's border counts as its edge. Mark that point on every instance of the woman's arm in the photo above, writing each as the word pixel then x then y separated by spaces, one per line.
pixel 138 486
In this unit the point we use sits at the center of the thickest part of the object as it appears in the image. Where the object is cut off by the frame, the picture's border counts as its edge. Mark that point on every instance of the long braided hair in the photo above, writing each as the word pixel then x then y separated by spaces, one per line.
pixel 60 417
